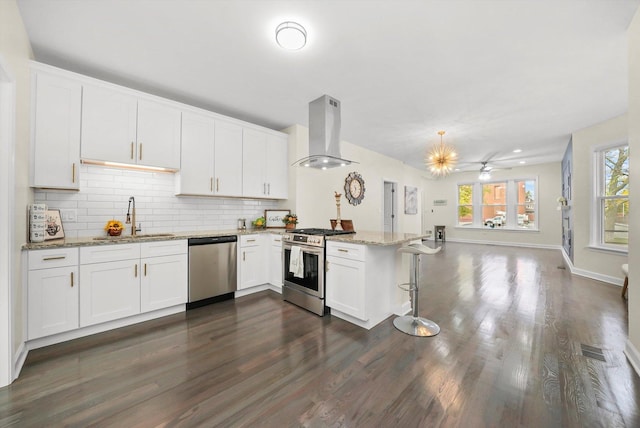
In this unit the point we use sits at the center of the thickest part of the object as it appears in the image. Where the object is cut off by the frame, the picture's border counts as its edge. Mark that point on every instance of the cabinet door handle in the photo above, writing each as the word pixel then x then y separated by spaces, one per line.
pixel 343 250
pixel 326 265
pixel 140 150
pixel 251 240
pixel 46 259
pixel 73 172
pixel 132 150
pixel 136 270
pixel 211 184
pixel 72 279
pixel 268 188
pixel 264 188
pixel 243 257
pixel 145 269
pixel 277 240
pixel 217 184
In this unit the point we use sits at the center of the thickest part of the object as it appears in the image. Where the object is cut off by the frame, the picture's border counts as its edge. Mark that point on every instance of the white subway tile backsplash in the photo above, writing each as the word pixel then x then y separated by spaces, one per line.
pixel 104 194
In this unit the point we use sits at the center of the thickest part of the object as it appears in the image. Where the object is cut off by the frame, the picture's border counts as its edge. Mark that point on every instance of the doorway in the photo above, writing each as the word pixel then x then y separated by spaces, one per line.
pixel 390 208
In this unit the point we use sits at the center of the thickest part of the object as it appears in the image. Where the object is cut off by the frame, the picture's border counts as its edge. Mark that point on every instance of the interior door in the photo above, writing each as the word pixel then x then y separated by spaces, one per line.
pixel 390 209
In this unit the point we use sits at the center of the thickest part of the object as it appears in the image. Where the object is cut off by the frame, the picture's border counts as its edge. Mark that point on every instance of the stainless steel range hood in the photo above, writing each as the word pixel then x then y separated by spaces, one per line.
pixel 324 135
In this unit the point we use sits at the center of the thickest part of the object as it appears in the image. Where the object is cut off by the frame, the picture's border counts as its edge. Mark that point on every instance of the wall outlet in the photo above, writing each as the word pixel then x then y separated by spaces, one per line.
pixel 68 215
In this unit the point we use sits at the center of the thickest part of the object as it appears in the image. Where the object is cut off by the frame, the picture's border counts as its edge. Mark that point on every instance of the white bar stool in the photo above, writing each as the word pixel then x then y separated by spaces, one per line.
pixel 414 324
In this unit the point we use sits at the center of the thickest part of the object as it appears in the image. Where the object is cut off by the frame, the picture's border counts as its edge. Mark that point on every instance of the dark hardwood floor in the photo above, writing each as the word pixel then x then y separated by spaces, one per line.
pixel 523 344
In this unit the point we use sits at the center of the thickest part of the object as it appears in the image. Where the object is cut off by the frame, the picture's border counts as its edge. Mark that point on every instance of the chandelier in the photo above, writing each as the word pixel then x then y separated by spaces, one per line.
pixel 441 158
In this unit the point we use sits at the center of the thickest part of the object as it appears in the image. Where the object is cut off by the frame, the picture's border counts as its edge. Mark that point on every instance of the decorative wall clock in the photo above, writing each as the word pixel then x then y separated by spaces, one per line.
pixel 354 188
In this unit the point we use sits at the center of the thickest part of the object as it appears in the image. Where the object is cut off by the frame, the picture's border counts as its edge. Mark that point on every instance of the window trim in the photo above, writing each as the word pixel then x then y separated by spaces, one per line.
pixel 596 235
pixel 511 204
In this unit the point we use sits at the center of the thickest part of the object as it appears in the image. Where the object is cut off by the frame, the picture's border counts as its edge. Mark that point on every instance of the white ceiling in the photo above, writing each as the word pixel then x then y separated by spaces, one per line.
pixel 495 75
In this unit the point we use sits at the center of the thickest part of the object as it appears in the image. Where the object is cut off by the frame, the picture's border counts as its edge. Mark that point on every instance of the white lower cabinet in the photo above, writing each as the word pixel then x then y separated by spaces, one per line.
pixel 163 282
pixel 251 258
pixel 123 280
pixel 52 297
pixel 109 291
pixel 345 279
pixel 274 267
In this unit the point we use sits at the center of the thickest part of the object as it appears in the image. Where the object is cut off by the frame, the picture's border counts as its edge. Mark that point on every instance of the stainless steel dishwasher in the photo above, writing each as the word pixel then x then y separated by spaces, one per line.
pixel 212 270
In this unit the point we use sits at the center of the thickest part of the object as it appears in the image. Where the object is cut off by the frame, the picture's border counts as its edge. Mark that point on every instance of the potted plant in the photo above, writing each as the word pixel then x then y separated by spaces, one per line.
pixel 290 221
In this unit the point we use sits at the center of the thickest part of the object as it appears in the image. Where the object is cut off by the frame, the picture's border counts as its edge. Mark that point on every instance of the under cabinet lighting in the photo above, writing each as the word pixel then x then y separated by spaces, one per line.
pixel 128 166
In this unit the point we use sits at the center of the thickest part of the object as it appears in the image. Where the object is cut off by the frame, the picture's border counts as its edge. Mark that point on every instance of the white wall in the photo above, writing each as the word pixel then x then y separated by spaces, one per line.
pixel 634 165
pixel 312 195
pixel 16 51
pixel 104 194
pixel 585 258
pixel 549 219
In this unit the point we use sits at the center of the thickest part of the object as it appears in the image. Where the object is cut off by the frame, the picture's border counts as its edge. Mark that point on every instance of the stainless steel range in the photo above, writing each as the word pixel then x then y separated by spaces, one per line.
pixel 304 267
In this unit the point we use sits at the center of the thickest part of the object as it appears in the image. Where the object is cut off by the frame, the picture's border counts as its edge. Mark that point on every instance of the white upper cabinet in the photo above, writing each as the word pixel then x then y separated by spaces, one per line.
pixel 109 123
pixel 228 159
pixel 158 135
pixel 120 127
pixel 55 137
pixel 265 160
pixel 196 157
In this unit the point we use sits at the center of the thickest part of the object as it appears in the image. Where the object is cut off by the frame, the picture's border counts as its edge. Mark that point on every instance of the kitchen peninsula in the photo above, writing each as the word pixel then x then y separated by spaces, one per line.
pixel 363 270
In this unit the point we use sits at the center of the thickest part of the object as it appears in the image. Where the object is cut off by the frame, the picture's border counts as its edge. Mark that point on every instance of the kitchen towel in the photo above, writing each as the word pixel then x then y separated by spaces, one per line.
pixel 296 262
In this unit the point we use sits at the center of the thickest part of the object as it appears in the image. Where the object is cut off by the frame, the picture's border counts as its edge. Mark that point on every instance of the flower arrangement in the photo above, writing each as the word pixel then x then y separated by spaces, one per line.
pixel 290 221
pixel 259 223
pixel 114 227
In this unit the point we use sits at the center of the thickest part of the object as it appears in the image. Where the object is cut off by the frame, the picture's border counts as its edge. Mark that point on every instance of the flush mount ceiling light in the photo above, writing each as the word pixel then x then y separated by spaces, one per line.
pixel 291 35
pixel 441 158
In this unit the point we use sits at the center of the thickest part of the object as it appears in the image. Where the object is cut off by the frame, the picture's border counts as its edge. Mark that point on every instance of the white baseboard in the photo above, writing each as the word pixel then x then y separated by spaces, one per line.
pixel 591 275
pixel 505 244
pixel 403 309
pixel 18 360
pixel 633 356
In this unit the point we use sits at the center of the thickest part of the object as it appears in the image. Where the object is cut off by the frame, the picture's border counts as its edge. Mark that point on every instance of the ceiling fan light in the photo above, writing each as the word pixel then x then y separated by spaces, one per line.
pixel 485 175
pixel 291 36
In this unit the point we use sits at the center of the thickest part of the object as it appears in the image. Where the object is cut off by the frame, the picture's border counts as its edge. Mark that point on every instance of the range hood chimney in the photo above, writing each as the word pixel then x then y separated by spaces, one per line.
pixel 324 135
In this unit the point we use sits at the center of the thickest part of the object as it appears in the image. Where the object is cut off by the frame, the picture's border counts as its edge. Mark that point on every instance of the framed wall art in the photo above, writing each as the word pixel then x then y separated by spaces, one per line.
pixel 53 225
pixel 274 218
pixel 410 200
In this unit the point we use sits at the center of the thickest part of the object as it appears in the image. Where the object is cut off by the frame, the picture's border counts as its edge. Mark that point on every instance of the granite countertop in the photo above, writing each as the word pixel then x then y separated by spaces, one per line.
pixel 379 238
pixel 128 239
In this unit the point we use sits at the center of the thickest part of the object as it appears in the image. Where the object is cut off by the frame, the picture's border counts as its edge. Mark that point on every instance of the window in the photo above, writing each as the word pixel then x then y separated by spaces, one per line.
pixel 465 205
pixel 509 204
pixel 612 198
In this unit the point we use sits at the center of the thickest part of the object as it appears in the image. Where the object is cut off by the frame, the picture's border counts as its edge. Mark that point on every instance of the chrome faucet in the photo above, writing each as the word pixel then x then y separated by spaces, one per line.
pixel 131 216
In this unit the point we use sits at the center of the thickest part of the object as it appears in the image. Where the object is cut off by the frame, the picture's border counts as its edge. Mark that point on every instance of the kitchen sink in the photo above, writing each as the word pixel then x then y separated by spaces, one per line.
pixel 128 237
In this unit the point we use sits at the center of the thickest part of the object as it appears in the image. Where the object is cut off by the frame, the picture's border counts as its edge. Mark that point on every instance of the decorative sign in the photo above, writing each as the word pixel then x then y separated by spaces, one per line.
pixel 274 218
pixel 439 202
pixel 53 225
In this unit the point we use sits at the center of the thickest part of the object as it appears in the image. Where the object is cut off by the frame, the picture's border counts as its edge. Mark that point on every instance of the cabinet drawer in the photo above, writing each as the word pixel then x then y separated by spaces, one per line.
pixel 249 240
pixel 163 248
pixel 109 253
pixel 59 257
pixel 275 240
pixel 346 251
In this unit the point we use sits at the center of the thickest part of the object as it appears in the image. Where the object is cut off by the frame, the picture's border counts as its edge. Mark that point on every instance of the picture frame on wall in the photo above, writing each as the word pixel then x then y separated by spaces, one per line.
pixel 53 228
pixel 410 200
pixel 274 218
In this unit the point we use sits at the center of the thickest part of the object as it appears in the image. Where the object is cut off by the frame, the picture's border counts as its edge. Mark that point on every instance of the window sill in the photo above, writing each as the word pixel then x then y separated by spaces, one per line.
pixel 618 251
pixel 495 229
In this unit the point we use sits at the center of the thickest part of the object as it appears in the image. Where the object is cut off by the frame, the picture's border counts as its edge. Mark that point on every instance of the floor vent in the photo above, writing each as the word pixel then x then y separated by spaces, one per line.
pixel 592 352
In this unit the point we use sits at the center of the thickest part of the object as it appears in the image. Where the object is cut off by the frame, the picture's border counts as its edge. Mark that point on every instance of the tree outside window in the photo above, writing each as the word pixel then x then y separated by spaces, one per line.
pixel 613 197
pixel 465 205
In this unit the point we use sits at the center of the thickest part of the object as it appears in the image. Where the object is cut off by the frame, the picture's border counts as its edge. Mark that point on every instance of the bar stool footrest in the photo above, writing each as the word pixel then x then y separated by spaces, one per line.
pixel 406 286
